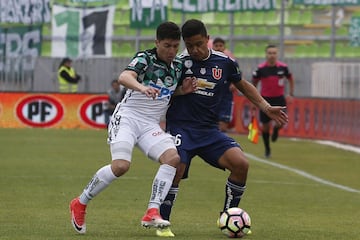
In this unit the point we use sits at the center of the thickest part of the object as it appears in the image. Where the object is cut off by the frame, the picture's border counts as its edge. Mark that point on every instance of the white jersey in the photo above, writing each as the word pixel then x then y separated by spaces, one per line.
pixel 151 72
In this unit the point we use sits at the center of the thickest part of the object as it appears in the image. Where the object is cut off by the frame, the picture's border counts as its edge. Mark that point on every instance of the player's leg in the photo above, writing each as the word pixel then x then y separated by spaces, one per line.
pixel 181 173
pixel 265 131
pixel 167 205
pixel 225 153
pixel 121 146
pixel 235 161
pixel 159 147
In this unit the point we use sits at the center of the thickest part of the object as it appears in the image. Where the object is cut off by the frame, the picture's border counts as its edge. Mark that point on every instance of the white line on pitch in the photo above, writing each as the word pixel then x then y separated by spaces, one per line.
pixel 302 173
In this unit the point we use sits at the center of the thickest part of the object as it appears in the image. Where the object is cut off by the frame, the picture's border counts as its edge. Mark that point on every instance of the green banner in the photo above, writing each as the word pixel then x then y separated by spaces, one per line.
pixel 19 48
pixel 327 2
pixel 354 31
pixel 25 12
pixel 147 13
pixel 95 1
pixel 82 32
pixel 199 6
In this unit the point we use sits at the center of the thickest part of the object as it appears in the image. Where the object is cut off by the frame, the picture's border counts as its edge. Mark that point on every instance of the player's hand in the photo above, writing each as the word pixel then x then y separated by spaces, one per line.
pixel 189 85
pixel 151 92
pixel 278 115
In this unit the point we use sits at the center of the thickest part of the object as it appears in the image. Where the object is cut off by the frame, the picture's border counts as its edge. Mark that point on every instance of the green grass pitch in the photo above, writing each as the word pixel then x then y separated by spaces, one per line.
pixel 41 170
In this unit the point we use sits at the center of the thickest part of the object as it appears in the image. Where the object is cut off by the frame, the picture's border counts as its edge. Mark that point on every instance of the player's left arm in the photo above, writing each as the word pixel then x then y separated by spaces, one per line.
pixel 274 112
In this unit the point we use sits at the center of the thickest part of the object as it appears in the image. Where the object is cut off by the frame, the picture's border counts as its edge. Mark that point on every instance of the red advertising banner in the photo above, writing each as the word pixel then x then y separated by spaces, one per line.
pixel 21 110
pixel 312 118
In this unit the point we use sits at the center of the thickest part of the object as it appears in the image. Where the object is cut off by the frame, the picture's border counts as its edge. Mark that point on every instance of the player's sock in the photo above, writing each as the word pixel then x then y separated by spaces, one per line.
pixel 102 178
pixel 233 193
pixel 166 206
pixel 161 185
pixel 266 139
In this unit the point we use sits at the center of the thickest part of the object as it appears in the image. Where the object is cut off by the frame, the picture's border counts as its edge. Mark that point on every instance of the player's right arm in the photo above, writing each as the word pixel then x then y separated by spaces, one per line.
pixel 274 112
pixel 128 78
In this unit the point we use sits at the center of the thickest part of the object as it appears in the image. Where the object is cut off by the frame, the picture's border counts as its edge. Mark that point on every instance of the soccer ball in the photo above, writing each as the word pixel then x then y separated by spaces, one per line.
pixel 235 222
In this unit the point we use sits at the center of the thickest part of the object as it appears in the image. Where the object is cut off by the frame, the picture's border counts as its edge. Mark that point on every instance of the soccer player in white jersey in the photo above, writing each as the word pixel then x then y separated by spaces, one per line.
pixel 151 79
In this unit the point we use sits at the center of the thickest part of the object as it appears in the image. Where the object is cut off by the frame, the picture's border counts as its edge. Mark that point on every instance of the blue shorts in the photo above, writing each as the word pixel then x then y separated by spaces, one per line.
pixel 208 144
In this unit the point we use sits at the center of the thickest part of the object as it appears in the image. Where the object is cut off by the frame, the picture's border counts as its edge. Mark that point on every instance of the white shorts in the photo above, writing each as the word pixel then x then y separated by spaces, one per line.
pixel 124 133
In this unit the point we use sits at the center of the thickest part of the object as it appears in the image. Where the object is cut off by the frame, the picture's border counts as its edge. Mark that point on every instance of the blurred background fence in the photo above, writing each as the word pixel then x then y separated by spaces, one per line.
pixel 320 43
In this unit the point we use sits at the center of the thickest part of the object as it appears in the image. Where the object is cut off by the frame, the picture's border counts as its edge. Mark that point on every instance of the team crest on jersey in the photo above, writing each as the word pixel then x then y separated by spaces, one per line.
pixel 217 73
pixel 168 81
pixel 202 71
pixel 188 63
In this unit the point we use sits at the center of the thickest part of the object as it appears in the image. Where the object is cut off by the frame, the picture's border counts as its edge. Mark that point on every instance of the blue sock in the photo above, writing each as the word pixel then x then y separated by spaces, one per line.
pixel 233 194
pixel 166 206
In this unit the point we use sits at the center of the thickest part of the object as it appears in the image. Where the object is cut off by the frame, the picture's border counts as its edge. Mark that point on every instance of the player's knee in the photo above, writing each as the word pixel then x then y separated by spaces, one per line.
pixel 172 159
pixel 239 166
pixel 120 167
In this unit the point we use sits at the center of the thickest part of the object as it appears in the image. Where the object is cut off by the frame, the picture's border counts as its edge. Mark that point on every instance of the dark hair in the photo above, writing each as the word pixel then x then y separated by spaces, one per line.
pixel 168 30
pixel 193 27
pixel 218 40
pixel 114 81
pixel 64 60
pixel 270 46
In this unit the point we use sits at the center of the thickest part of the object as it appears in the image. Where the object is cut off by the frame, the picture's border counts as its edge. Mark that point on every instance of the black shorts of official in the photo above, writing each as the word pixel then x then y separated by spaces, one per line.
pixel 274 101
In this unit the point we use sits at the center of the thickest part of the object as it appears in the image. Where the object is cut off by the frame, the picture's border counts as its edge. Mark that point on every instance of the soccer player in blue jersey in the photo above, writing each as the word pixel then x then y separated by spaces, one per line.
pixel 193 118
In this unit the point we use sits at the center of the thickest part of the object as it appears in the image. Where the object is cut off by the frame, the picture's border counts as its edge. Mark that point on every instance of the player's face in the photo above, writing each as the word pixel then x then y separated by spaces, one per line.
pixel 219 46
pixel 271 55
pixel 167 49
pixel 197 47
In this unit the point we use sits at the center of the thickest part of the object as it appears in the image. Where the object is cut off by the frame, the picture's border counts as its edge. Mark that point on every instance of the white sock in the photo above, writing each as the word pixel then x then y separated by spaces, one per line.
pixel 102 178
pixel 161 185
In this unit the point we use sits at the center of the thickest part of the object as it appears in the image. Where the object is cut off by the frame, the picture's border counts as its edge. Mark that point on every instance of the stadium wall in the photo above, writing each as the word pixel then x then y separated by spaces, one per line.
pixel 311 118
pixel 313 77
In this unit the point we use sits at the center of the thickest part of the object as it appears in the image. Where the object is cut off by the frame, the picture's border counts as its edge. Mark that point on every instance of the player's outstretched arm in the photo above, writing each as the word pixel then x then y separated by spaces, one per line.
pixel 274 112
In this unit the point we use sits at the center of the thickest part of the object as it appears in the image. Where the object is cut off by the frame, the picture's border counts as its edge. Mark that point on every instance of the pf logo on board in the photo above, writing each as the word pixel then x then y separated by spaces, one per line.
pixel 92 111
pixel 39 111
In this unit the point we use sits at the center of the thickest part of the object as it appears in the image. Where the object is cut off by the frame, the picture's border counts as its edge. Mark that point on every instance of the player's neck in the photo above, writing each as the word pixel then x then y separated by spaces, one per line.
pixel 271 63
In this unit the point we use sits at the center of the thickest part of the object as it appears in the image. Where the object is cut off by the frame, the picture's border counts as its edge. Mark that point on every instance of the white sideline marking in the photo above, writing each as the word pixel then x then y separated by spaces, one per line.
pixel 302 173
pixel 333 144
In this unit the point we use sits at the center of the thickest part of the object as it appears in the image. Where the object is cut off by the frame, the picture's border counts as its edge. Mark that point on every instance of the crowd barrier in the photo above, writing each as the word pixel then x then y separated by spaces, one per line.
pixel 22 110
pixel 311 118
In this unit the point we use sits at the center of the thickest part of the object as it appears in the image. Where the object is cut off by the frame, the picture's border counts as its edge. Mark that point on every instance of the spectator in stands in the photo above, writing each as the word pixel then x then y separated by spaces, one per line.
pixel 227 103
pixel 272 74
pixel 115 95
pixel 67 77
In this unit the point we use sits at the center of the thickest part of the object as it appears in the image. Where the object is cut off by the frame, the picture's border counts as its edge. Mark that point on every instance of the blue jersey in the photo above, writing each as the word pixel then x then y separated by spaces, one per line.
pixel 200 110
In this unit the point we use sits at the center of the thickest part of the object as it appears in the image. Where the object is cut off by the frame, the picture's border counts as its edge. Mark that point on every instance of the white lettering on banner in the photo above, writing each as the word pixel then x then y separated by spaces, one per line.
pixel 222 5
pixel 155 7
pixel 329 2
pixel 24 11
pixel 21 49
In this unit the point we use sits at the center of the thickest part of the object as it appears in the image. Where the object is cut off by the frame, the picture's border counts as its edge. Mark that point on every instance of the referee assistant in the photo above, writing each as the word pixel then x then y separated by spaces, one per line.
pixel 272 74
